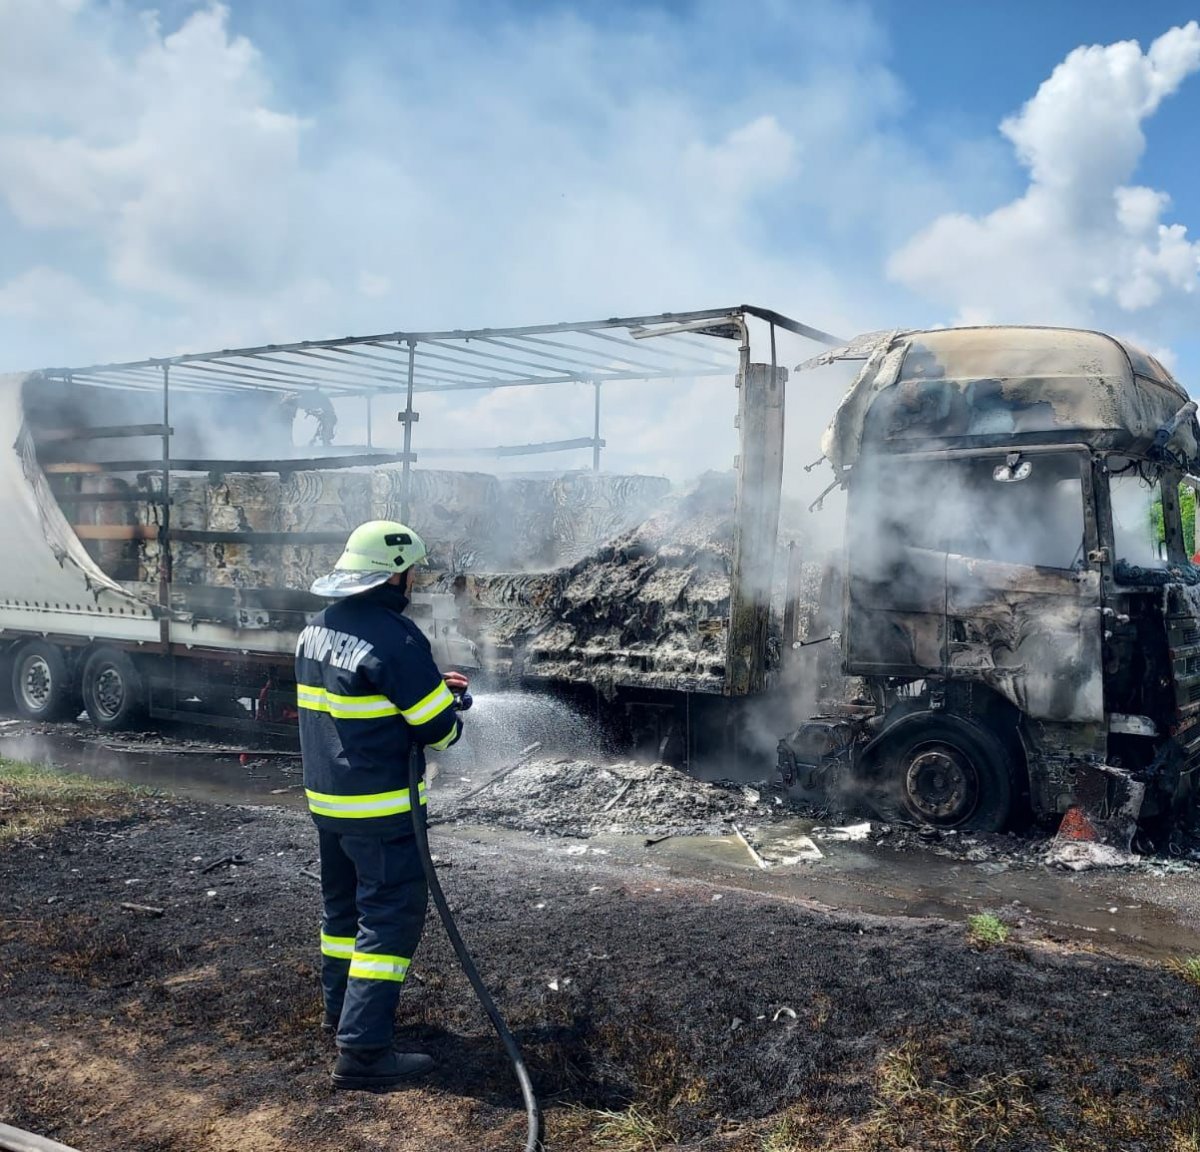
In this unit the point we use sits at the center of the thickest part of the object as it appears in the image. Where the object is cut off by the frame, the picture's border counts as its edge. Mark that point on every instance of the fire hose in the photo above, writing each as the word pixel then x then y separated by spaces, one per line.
pixel 533 1139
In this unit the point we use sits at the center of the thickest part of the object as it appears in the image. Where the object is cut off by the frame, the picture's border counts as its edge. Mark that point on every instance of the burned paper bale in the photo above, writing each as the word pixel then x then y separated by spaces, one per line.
pixel 470 521
pixel 458 514
pixel 313 501
pixel 189 510
pixel 558 519
pixel 654 600
pixel 529 509
pixel 322 501
pixel 243 502
pixel 649 607
pixel 591 507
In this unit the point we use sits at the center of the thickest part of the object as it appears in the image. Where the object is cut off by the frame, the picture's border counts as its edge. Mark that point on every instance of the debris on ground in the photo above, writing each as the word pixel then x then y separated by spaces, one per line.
pixel 851 832
pixel 571 797
pixel 1034 849
pixel 785 850
pixel 1080 855
pixel 754 855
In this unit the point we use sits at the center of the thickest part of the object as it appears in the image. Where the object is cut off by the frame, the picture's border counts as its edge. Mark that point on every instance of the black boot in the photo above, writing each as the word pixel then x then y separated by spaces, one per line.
pixel 329 1024
pixel 378 1069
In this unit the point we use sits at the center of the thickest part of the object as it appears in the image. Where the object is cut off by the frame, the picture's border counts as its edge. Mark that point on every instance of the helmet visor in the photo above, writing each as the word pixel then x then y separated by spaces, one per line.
pixel 339 584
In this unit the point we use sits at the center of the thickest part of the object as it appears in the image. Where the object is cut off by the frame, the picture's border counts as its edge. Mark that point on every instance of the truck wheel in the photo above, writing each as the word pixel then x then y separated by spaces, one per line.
pixel 946 772
pixel 112 690
pixel 42 684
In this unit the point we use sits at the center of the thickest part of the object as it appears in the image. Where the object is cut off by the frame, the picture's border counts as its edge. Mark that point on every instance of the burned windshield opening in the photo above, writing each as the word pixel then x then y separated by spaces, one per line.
pixel 1145 502
pixel 1004 508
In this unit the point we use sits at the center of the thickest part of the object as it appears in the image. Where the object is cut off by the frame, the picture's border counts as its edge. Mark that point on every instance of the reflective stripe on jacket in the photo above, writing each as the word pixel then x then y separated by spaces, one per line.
pixel 367 690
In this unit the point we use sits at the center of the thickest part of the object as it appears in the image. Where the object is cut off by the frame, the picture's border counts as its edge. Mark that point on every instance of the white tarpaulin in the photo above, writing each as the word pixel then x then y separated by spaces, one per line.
pixel 43 566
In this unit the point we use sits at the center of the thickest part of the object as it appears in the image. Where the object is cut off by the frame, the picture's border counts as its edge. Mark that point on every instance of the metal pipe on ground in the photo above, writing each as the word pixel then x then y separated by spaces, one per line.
pixel 18 1140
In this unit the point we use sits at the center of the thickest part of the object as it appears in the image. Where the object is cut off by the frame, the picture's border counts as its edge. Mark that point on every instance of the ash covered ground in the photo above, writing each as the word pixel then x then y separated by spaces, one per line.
pixel 584 798
pixel 656 1010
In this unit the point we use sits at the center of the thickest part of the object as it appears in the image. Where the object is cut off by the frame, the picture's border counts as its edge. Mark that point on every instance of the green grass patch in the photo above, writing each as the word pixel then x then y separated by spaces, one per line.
pixel 35 800
pixel 986 930
pixel 632 1130
pixel 915 1097
pixel 1188 967
pixel 789 1134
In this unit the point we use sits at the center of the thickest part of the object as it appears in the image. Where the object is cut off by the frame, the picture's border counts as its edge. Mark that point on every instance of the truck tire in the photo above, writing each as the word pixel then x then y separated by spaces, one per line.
pixel 112 690
pixel 42 684
pixel 943 771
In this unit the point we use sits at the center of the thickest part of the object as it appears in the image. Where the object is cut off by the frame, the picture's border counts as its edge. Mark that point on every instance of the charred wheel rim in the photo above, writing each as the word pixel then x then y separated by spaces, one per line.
pixel 108 692
pixel 37 683
pixel 941 785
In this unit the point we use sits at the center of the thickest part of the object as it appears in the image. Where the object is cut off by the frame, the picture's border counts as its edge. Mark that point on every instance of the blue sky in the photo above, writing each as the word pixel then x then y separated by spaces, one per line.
pixel 966 66
pixel 993 55
pixel 202 175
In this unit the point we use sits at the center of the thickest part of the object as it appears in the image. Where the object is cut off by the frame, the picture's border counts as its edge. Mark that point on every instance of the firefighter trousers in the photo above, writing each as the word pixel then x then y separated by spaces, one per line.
pixel 375 898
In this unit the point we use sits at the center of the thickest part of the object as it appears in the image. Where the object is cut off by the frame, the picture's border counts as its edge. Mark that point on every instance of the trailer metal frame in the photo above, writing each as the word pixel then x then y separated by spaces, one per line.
pixel 667 346
pixel 484 359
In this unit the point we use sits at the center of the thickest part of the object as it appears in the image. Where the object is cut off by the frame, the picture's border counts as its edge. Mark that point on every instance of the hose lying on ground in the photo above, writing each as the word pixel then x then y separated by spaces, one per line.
pixel 16 1140
pixel 533 1140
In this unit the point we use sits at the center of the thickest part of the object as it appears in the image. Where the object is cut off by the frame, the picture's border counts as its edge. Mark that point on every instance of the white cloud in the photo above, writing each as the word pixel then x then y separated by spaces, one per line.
pixel 444 175
pixel 449 174
pixel 185 175
pixel 28 301
pixel 1081 245
pixel 372 284
pixel 171 190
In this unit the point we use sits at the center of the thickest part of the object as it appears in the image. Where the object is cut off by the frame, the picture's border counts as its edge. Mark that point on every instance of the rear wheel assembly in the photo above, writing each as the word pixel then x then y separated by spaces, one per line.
pixel 942 771
pixel 112 690
pixel 42 683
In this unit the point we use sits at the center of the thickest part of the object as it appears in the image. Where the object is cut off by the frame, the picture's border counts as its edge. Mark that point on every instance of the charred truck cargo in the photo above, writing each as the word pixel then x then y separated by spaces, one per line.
pixel 164 520
pixel 1019 603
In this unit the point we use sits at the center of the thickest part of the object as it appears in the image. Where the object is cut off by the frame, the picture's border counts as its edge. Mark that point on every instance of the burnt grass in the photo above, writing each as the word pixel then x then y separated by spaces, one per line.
pixel 715 1017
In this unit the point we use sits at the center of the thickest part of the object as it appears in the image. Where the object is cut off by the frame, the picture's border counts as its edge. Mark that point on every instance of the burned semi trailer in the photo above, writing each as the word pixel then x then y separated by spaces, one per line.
pixel 1019 610
pixel 166 517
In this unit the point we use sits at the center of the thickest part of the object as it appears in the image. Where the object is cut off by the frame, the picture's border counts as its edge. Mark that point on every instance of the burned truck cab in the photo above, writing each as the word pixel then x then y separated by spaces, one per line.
pixel 1020 608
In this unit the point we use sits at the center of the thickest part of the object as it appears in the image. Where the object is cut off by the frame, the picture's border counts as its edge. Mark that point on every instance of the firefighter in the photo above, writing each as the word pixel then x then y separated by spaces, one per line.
pixel 368 689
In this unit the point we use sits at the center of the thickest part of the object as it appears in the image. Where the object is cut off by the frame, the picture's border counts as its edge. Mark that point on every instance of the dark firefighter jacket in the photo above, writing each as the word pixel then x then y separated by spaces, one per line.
pixel 367 689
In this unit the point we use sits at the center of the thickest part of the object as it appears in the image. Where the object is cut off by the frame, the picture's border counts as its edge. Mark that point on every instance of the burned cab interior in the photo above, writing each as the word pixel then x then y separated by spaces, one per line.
pixel 922 527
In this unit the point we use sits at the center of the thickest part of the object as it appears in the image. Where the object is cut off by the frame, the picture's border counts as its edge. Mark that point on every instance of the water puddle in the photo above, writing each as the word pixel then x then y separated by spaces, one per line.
pixel 1140 912
pixel 217 777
